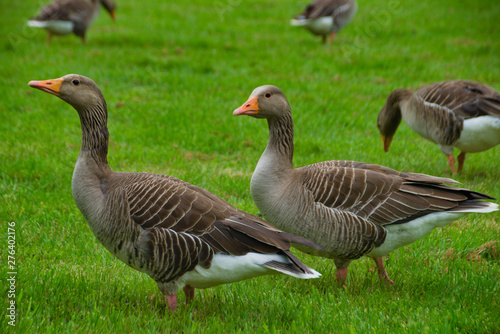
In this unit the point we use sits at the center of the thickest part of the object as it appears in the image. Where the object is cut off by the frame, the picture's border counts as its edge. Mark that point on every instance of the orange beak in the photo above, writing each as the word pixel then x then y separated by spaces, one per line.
pixel 112 14
pixel 387 142
pixel 251 107
pixel 49 86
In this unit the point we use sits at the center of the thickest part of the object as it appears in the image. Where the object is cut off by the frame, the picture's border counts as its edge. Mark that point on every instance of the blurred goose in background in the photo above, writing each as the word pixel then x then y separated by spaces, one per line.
pixel 323 17
pixel 458 113
pixel 63 17
pixel 349 208
pixel 178 234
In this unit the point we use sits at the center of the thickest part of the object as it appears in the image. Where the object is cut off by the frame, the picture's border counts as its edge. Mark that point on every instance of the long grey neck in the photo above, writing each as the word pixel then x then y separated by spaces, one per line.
pixel 274 171
pixel 92 169
pixel 280 144
pixel 400 98
pixel 95 136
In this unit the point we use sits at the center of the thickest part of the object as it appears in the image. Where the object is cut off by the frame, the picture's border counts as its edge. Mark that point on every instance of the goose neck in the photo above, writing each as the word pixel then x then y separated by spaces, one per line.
pixel 95 135
pixel 281 138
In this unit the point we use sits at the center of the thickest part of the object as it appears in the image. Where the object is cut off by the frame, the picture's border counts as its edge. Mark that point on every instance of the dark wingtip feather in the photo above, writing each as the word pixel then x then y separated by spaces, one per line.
pixel 296 268
pixel 296 240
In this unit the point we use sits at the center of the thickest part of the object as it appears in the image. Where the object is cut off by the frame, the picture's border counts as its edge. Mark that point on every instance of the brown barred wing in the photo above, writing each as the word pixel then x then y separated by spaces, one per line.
pixel 467 99
pixel 162 201
pixel 65 10
pixel 321 8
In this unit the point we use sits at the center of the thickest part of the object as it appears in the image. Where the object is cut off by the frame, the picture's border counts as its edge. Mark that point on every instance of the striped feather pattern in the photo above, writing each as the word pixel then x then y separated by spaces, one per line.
pixel 465 98
pixel 320 8
pixel 181 228
pixel 167 254
pixel 68 10
pixel 381 195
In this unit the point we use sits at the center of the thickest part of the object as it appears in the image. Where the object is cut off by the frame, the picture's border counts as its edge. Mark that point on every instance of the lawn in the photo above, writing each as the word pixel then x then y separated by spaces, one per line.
pixel 172 73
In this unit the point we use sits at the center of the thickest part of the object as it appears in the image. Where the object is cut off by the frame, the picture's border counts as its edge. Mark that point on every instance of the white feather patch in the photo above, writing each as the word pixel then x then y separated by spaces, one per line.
pixel 399 235
pixel 230 268
pixel 479 134
pixel 321 26
pixel 55 27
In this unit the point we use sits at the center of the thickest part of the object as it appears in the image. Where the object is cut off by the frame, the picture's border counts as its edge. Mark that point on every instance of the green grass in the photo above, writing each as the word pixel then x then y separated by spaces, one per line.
pixel 172 74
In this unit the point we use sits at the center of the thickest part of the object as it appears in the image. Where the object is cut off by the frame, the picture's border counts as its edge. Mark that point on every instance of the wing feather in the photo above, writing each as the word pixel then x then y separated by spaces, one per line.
pixel 379 194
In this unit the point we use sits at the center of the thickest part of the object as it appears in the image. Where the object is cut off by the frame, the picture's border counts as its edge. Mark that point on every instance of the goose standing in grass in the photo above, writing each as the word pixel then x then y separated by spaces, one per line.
pixel 63 17
pixel 323 17
pixel 349 208
pixel 459 113
pixel 179 234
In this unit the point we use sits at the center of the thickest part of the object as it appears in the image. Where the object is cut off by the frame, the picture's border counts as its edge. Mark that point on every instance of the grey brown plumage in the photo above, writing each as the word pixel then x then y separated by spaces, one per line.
pixel 350 208
pixel 326 17
pixel 458 113
pixel 177 233
pixel 63 17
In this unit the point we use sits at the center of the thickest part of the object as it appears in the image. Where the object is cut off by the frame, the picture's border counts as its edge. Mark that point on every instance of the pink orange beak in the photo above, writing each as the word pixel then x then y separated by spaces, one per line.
pixel 50 86
pixel 387 142
pixel 251 107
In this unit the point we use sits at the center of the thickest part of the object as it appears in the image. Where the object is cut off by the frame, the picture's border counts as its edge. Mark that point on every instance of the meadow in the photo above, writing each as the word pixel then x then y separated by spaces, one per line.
pixel 172 72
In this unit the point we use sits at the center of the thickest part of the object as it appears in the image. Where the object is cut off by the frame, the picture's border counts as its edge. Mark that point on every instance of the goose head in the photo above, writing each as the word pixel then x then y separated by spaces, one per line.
pixel 110 7
pixel 265 102
pixel 79 91
pixel 390 116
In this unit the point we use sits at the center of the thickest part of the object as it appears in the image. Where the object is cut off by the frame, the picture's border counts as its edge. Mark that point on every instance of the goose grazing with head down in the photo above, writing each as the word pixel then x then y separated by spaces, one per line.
pixel 349 208
pixel 323 17
pixel 178 234
pixel 63 17
pixel 459 113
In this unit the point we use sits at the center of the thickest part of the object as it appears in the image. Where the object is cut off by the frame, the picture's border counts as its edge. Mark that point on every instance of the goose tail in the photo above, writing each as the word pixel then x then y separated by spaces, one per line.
pixel 299 22
pixel 476 206
pixel 293 268
pixel 37 24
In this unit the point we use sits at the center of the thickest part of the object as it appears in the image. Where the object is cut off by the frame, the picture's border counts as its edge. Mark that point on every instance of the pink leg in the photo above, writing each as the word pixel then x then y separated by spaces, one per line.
pixel 382 274
pixel 461 160
pixel 189 292
pixel 332 37
pixel 341 275
pixel 451 162
pixel 172 302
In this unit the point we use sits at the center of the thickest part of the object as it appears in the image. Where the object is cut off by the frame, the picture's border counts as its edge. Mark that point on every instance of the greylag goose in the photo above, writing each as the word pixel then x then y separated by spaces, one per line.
pixel 63 17
pixel 459 113
pixel 178 234
pixel 323 17
pixel 349 208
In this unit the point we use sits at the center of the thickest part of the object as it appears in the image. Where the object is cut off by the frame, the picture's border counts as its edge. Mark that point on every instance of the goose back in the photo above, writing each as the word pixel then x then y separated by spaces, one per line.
pixel 341 10
pixel 465 98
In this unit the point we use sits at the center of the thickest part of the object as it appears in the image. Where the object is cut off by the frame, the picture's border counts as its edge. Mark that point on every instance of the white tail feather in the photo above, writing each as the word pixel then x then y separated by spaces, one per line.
pixel 37 24
pixel 229 268
pixel 56 27
pixel 299 22
pixel 488 207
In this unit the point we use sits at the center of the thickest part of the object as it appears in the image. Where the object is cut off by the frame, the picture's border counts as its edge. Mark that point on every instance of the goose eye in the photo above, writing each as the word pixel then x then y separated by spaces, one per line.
pixel 268 95
pixel 76 82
